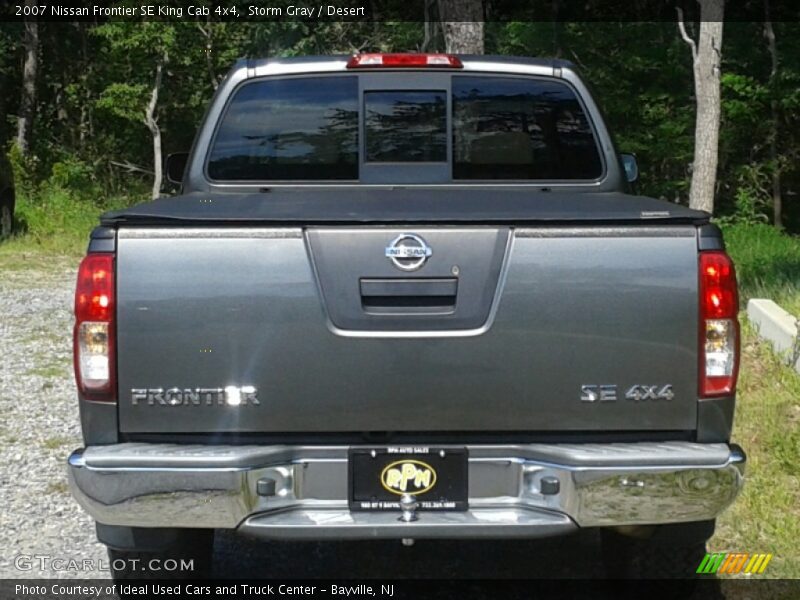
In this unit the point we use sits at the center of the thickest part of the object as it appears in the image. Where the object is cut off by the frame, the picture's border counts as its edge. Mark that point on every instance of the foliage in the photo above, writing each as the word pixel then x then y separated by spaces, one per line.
pixel 767 263
pixel 752 197
pixel 73 174
pixel 95 81
pixel 58 219
pixel 23 171
pixel 124 100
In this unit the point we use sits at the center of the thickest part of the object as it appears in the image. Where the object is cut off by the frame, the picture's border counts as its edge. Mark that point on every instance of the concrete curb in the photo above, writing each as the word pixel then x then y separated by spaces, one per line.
pixel 776 326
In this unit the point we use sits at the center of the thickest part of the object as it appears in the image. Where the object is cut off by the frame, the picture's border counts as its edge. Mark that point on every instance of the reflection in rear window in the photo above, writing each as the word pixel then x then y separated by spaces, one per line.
pixel 304 128
pixel 509 128
pixel 406 126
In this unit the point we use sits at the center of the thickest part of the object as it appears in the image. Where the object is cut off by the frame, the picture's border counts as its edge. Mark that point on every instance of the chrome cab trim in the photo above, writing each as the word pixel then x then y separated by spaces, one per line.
pixel 171 485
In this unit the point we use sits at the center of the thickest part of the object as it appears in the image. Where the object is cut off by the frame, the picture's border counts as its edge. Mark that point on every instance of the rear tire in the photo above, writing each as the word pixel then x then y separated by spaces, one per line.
pixel 193 547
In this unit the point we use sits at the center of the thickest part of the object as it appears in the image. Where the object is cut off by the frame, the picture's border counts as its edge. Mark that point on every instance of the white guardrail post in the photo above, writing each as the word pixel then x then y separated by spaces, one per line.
pixel 778 327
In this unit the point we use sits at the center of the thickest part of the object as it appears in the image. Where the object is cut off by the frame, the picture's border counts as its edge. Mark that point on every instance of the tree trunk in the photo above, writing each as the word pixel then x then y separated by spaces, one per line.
pixel 208 34
pixel 27 107
pixel 557 25
pixel 83 125
pixel 706 58
pixel 151 120
pixel 462 25
pixel 430 26
pixel 777 199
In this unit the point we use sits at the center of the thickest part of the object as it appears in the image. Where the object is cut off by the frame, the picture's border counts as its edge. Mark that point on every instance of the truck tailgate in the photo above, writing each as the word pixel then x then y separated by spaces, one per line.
pixel 499 331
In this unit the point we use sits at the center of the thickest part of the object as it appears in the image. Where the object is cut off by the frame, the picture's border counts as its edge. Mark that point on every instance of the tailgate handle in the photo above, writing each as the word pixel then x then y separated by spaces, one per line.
pixel 409 296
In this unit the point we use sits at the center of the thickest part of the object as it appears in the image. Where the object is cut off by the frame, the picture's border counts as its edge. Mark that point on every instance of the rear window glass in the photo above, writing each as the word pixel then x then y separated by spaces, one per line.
pixel 509 128
pixel 405 126
pixel 305 128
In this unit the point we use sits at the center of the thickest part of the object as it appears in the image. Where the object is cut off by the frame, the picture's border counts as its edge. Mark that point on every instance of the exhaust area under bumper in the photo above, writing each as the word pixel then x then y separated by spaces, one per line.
pixel 172 485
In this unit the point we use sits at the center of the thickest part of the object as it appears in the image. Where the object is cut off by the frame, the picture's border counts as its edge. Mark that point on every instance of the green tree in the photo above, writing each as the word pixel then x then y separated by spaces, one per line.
pixel 144 49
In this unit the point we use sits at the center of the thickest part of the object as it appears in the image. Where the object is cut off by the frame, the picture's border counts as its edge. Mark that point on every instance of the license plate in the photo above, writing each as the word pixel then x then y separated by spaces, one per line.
pixel 437 477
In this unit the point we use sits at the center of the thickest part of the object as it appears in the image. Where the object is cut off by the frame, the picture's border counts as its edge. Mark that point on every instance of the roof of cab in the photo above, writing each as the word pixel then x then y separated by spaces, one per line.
pixel 257 67
pixel 255 63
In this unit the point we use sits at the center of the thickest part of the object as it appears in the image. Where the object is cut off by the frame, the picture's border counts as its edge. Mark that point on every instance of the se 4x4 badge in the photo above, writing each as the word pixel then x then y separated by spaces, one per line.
pixel 638 393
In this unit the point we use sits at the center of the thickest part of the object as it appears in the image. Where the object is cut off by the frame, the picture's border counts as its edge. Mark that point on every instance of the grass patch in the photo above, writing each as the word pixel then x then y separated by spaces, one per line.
pixel 766 517
pixel 44 335
pixel 57 488
pixel 48 366
pixel 55 224
pixel 767 263
pixel 48 371
pixel 55 442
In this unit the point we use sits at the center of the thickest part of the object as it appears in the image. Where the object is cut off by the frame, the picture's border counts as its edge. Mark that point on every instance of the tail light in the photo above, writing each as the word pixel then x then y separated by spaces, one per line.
pixel 719 326
pixel 375 60
pixel 95 295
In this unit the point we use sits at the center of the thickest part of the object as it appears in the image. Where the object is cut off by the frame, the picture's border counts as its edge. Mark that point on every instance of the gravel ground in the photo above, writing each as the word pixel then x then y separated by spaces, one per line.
pixel 39 424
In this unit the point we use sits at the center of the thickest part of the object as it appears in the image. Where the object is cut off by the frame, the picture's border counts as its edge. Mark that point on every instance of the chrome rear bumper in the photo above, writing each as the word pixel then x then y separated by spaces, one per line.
pixel 170 485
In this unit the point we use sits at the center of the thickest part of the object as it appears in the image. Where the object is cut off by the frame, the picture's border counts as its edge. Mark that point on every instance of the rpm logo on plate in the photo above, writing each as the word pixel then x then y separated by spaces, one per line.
pixel 408 477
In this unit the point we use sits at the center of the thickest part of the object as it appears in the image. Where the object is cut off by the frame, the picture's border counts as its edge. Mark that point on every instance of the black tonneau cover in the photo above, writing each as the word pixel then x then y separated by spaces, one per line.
pixel 408 205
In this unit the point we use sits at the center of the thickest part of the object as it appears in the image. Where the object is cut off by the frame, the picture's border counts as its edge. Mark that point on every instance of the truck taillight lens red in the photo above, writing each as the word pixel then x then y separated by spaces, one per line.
pixel 95 310
pixel 719 326
pixel 378 60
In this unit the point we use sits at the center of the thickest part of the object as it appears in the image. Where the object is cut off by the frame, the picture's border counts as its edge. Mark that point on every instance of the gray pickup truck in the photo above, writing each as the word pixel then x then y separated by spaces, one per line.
pixel 406 296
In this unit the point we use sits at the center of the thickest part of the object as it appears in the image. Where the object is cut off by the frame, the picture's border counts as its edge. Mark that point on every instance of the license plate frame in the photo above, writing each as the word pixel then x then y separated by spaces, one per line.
pixel 372 487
